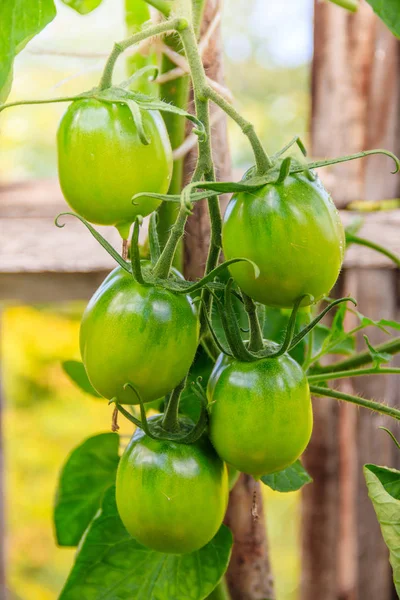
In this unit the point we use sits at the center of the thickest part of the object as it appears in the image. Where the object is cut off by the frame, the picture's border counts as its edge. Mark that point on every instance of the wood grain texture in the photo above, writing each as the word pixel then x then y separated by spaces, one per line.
pixel 249 575
pixel 198 227
pixel 355 89
pixel 31 243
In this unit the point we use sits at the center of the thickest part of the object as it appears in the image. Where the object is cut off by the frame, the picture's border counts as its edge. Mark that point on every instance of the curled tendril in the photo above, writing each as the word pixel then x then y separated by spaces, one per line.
pixel 98 237
pixel 297 339
pixel 296 140
pixel 340 159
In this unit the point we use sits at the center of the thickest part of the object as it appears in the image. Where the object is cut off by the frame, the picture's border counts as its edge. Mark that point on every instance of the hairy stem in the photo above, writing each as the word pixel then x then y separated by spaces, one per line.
pixel 256 337
pixel 352 373
pixel 170 420
pixel 262 159
pixel 354 239
pixel 370 404
pixel 120 47
pixel 360 359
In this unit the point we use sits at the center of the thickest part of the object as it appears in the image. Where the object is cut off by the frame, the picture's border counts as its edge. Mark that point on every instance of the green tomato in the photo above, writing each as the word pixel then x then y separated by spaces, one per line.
pixel 293 232
pixel 141 334
pixel 171 497
pixel 102 163
pixel 260 413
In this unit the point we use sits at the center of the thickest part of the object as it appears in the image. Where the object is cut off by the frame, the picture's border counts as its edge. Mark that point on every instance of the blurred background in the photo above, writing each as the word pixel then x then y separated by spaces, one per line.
pixel 270 44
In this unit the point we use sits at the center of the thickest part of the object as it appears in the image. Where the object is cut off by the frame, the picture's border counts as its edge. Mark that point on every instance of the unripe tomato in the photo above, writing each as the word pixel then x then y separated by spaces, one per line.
pixel 102 163
pixel 293 232
pixel 171 497
pixel 261 414
pixel 141 334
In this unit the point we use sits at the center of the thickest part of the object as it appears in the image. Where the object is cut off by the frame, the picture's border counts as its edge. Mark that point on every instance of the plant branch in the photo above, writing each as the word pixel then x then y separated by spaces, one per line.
pixel 170 419
pixel 360 359
pixel 352 373
pixel 120 47
pixel 354 239
pixel 262 159
pixel 256 342
pixel 370 404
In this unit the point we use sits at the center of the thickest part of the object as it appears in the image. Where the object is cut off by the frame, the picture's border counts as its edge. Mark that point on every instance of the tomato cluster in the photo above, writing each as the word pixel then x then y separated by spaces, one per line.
pixel 139 337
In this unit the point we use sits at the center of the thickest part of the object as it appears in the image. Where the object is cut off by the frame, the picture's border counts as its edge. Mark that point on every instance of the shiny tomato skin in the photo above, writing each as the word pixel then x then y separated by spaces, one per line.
pixel 102 163
pixel 141 334
pixel 171 497
pixel 292 231
pixel 260 413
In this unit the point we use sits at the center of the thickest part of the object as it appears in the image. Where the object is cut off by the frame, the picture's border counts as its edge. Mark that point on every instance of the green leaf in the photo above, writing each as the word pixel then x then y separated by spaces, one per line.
pixel 83 7
pixel 381 324
pixel 90 469
pixel 378 358
pixel 77 373
pixel 20 21
pixel 389 12
pixel 202 366
pixel 111 565
pixel 289 480
pixel 384 491
pixel 345 346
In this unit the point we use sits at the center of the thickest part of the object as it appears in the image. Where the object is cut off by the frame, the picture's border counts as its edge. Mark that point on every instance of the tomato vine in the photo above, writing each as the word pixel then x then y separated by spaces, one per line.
pixel 145 327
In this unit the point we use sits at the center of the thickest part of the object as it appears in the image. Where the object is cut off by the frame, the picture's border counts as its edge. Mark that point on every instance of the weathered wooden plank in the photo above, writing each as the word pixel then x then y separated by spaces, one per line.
pixel 355 106
pixel 28 210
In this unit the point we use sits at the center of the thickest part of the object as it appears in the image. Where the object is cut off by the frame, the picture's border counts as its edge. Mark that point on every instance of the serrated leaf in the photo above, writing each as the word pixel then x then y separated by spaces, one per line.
pixel 346 346
pixel 111 565
pixel 384 491
pixel 83 7
pixel 389 12
pixel 20 21
pixel 382 324
pixel 89 471
pixel 378 358
pixel 77 373
pixel 289 480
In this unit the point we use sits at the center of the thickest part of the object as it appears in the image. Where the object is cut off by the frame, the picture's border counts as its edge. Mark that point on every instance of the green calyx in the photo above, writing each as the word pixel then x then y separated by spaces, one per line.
pixel 170 426
pixel 276 173
pixel 257 348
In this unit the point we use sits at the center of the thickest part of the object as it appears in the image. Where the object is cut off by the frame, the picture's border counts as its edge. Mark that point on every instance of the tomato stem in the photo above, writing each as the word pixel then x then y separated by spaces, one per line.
pixel 262 159
pixel 154 242
pixel 256 341
pixel 120 47
pixel 170 420
pixel 352 373
pixel 340 159
pixel 354 239
pixel 371 404
pixel 362 358
pixel 135 254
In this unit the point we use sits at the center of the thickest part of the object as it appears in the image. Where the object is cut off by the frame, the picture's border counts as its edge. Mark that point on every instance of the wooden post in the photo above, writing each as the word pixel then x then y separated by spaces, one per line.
pixel 356 106
pixel 249 575
pixel 3 594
